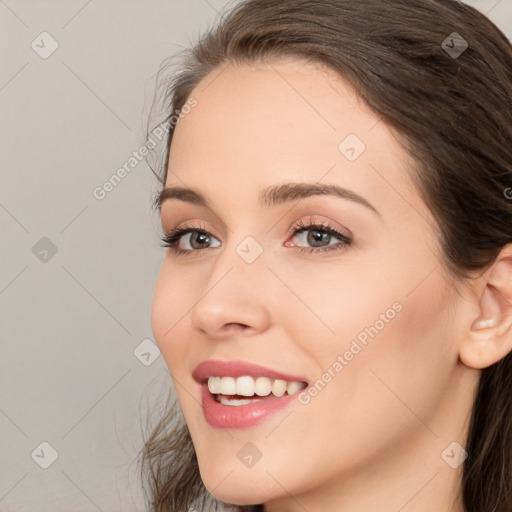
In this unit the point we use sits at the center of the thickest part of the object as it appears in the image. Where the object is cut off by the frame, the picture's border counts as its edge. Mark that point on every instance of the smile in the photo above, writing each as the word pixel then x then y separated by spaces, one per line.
pixel 236 394
pixel 229 390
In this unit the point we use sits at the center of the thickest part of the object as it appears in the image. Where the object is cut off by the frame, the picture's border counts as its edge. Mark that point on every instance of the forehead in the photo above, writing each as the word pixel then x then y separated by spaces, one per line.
pixel 287 120
pixel 279 108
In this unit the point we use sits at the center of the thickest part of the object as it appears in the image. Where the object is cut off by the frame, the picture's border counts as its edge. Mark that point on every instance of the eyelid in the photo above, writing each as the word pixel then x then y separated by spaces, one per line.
pixel 199 225
pixel 173 237
pixel 326 224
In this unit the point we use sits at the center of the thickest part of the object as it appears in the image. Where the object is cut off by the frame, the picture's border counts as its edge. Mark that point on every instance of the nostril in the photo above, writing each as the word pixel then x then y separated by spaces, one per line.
pixel 235 326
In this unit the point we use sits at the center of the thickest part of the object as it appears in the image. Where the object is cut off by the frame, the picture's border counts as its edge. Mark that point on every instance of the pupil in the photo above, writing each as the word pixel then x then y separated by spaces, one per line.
pixel 201 238
pixel 317 235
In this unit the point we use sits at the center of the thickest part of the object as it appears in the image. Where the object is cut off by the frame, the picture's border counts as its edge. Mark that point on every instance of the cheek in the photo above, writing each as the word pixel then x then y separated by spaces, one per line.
pixel 332 305
pixel 393 329
pixel 395 365
pixel 169 314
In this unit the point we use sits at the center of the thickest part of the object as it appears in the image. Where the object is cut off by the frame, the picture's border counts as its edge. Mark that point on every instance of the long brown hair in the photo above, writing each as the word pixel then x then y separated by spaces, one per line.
pixel 453 115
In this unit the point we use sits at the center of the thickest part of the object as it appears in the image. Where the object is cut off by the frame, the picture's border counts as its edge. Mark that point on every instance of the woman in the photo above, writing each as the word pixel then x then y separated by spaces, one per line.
pixel 335 300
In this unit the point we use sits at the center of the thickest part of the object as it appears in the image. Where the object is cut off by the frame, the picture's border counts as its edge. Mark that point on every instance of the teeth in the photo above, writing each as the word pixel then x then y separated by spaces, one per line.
pixel 227 401
pixel 227 386
pixel 248 386
pixel 293 387
pixel 262 386
pixel 214 385
pixel 279 387
pixel 244 386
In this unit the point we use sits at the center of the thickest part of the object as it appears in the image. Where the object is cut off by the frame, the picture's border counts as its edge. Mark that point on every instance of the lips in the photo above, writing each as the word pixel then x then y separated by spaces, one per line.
pixel 221 415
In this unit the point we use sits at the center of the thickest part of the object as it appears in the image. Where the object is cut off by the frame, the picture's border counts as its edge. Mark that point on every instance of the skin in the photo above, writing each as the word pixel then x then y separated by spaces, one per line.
pixel 372 438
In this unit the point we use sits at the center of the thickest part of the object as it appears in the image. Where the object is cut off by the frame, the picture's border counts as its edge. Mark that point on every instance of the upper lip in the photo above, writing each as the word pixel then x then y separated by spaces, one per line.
pixel 218 368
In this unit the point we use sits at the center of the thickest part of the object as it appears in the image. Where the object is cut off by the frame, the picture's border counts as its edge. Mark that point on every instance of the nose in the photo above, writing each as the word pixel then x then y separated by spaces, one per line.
pixel 234 302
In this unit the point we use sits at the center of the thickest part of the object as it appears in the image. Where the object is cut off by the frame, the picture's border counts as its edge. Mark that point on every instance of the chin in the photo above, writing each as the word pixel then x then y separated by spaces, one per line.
pixel 243 488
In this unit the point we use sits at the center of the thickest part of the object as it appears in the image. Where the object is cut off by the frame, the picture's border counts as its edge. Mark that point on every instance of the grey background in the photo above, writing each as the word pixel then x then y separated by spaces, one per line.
pixel 71 321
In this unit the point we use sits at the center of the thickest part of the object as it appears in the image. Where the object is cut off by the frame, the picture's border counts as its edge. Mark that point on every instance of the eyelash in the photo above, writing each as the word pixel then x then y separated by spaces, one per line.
pixel 171 239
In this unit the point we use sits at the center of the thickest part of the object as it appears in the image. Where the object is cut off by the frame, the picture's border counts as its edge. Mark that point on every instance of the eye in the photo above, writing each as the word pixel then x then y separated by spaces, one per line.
pixel 319 233
pixel 198 236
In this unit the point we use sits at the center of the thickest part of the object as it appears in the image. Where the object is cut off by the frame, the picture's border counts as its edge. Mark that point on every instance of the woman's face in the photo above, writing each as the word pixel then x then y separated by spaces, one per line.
pixel 371 325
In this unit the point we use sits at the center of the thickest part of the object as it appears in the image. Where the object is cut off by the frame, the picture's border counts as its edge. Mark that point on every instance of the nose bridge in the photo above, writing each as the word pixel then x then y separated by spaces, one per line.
pixel 244 254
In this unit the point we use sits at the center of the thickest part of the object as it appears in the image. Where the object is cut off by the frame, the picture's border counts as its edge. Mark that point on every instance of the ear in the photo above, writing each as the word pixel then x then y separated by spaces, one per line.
pixel 489 338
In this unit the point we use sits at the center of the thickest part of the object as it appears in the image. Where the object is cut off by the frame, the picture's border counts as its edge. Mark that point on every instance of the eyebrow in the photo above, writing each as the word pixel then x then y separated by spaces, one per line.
pixel 270 196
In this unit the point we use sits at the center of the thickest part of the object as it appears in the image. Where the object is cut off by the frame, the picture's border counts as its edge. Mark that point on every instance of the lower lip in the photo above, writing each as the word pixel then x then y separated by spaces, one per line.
pixel 240 416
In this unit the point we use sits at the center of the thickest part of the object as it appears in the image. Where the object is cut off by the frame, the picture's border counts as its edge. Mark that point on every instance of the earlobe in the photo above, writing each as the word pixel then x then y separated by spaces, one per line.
pixel 489 338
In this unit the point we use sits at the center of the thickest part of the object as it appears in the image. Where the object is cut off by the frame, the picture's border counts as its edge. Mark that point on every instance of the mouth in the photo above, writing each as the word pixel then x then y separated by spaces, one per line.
pixel 247 389
pixel 237 394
